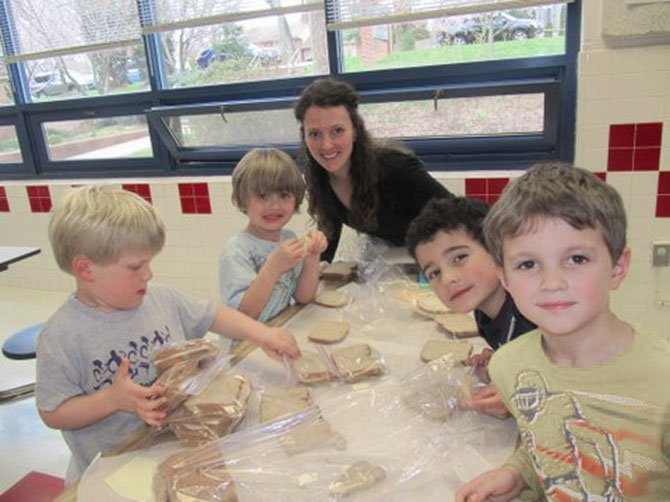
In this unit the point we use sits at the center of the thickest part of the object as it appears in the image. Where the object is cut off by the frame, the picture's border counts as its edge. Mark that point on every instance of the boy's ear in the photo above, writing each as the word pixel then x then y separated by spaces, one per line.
pixel 620 269
pixel 500 272
pixel 82 267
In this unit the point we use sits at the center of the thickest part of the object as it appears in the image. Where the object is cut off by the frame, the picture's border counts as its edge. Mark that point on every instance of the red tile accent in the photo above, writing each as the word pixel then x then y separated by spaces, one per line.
pixel 663 206
pixel 4 201
pixel 620 159
pixel 34 487
pixel 194 198
pixel 492 198
pixel 201 189
pixel 39 198
pixel 646 159
pixel 185 189
pixel 602 175
pixel 664 183
pixel 141 189
pixel 188 205
pixel 622 135
pixel 480 196
pixel 648 134
pixel 496 185
pixel 635 147
pixel 203 205
pixel 475 186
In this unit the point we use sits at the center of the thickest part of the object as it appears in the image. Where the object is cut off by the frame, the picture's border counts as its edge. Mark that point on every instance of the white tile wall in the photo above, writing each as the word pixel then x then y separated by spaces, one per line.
pixel 620 86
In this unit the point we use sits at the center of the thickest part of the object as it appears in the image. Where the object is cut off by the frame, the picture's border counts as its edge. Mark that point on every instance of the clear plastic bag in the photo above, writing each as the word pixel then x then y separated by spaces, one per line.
pixel 212 413
pixel 200 350
pixel 362 445
pixel 350 363
pixel 436 389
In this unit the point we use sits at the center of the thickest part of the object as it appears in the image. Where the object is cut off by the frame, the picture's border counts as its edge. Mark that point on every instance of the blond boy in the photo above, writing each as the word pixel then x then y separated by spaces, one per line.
pixel 95 381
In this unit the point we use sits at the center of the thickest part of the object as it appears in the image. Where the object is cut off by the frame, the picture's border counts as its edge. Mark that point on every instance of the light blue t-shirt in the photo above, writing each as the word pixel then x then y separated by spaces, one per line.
pixel 241 259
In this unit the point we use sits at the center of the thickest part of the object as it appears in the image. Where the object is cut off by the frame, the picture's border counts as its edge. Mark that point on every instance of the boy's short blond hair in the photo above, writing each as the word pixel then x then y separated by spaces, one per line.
pixel 103 223
pixel 572 194
pixel 266 170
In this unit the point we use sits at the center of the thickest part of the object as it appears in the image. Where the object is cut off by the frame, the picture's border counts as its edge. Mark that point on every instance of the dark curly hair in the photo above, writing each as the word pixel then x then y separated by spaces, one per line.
pixel 364 172
pixel 447 215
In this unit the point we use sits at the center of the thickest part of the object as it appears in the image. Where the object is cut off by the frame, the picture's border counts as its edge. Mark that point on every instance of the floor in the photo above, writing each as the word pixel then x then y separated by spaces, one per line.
pixel 27 444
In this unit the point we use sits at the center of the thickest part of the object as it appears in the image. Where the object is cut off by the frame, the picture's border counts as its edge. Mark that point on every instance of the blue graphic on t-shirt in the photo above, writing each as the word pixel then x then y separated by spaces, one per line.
pixel 137 353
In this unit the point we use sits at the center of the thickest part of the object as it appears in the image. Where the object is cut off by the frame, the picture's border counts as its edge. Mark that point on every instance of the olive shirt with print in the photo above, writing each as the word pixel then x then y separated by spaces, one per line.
pixel 404 187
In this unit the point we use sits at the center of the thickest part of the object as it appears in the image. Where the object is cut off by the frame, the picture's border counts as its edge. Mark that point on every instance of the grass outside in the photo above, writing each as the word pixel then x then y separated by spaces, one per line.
pixel 461 54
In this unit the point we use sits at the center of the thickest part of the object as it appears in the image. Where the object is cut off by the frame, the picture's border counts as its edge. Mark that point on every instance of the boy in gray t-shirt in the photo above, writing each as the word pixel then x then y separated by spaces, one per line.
pixel 95 381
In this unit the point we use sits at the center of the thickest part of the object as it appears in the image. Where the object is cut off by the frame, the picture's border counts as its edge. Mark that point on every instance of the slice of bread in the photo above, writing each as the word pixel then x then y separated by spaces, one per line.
pixel 434 349
pixel 356 477
pixel 310 367
pixel 332 298
pixel 357 362
pixel 459 325
pixel 281 401
pixel 430 304
pixel 329 331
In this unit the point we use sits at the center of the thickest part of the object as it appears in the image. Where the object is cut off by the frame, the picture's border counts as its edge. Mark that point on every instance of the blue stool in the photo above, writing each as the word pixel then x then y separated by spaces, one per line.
pixel 22 344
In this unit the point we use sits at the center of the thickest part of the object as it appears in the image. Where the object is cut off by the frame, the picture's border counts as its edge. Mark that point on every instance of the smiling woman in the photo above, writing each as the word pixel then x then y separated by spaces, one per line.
pixel 373 187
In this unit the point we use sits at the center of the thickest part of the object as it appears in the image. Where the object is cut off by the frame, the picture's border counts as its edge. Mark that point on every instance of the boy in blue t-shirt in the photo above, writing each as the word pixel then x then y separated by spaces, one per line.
pixel 264 267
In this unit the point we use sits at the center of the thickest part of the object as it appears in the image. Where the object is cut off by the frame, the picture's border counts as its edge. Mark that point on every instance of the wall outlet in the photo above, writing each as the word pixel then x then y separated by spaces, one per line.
pixel 660 254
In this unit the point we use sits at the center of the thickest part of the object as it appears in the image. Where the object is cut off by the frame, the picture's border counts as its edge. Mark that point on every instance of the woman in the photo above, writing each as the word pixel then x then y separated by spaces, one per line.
pixel 372 187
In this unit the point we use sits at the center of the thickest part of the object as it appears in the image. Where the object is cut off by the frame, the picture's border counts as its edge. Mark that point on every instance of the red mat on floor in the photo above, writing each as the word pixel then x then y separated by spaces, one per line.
pixel 34 487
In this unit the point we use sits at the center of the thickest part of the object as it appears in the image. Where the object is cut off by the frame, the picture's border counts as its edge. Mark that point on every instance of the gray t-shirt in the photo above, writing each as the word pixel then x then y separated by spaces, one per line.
pixel 241 259
pixel 80 349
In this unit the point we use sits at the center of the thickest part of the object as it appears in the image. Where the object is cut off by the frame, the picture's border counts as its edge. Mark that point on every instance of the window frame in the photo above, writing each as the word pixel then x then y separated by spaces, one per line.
pixel 553 76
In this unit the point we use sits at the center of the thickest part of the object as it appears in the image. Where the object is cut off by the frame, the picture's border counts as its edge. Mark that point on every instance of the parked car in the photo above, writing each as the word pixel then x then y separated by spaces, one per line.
pixel 207 57
pixel 51 83
pixel 505 27
pixel 265 55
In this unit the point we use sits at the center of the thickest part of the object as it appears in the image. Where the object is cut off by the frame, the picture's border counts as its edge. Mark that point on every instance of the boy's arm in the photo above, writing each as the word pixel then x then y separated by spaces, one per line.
pixel 277 342
pixel 308 281
pixel 501 484
pixel 286 256
pixel 123 395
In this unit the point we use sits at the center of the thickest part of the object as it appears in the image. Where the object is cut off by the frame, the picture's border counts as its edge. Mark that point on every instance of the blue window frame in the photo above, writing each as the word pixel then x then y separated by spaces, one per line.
pixel 549 79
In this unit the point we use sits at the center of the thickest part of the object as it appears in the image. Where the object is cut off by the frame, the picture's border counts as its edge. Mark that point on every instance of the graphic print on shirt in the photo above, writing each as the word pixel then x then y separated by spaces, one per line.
pixel 575 458
pixel 258 260
pixel 137 353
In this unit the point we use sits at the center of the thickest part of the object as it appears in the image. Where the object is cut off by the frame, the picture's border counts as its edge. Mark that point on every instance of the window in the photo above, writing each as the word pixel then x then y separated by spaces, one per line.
pixel 106 138
pixel 70 49
pixel 467 84
pixel 9 146
pixel 209 43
